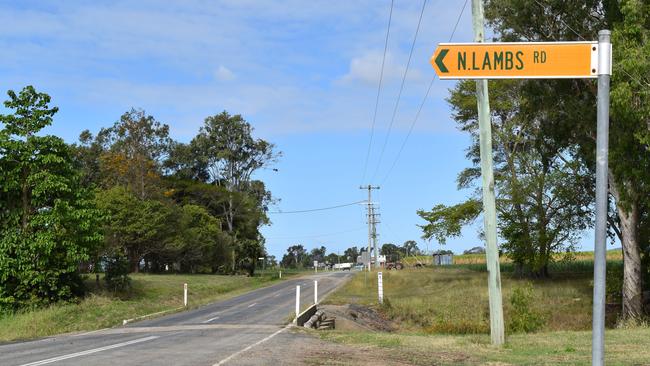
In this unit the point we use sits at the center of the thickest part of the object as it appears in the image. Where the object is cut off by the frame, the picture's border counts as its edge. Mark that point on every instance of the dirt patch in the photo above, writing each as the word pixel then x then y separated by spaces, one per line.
pixel 297 347
pixel 357 317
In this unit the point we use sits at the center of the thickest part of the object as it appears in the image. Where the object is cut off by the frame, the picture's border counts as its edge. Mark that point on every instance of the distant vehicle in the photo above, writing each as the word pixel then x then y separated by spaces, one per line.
pixel 393 262
pixel 342 266
pixel 359 267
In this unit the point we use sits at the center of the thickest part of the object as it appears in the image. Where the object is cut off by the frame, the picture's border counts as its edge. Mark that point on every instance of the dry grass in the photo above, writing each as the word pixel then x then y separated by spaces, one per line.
pixel 453 300
pixel 623 347
pixel 612 255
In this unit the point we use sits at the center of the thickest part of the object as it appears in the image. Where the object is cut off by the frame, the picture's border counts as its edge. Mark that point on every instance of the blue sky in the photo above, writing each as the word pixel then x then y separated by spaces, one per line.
pixel 303 73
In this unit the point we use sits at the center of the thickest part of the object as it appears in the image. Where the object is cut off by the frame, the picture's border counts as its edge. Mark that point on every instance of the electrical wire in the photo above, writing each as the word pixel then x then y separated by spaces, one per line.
pixel 401 88
pixel 426 96
pixel 381 77
pixel 316 209
pixel 317 236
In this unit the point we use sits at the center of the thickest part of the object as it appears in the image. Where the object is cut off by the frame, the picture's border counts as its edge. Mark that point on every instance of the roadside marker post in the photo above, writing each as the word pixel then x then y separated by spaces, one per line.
pixel 315 292
pixel 185 294
pixel 534 60
pixel 380 288
pixel 280 276
pixel 297 303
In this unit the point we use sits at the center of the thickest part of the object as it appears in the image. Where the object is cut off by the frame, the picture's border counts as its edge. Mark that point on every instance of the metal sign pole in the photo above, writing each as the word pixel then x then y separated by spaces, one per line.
pixel 602 148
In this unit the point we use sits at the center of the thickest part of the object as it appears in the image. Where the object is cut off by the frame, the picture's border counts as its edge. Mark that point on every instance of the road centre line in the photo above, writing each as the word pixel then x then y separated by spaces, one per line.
pixel 189 327
pixel 90 351
pixel 251 305
pixel 209 320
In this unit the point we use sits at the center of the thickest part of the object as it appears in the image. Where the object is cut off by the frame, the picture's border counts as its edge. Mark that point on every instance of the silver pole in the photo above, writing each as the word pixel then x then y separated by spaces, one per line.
pixel 602 142
pixel 489 200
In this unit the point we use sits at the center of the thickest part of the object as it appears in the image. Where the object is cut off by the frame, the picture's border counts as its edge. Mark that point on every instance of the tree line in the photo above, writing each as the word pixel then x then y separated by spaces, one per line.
pixel 127 199
pixel 544 134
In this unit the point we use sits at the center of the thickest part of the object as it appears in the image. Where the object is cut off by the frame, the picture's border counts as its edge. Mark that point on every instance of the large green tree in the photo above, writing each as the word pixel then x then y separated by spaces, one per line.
pixel 48 224
pixel 543 192
pixel 573 103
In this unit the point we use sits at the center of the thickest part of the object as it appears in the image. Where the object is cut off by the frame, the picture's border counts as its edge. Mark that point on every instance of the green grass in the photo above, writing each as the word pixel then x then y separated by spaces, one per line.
pixel 454 300
pixel 149 294
pixel 623 347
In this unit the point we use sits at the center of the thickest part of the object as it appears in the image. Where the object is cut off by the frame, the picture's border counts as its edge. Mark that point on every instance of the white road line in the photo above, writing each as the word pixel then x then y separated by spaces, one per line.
pixel 211 319
pixel 249 347
pixel 276 295
pixel 91 332
pixel 251 305
pixel 90 351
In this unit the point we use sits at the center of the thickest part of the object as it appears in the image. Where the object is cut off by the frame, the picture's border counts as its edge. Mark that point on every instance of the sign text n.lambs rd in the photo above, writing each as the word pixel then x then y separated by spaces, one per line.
pixel 545 60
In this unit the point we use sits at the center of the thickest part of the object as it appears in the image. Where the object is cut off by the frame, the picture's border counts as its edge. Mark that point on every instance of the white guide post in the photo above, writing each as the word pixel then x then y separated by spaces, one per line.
pixel 380 288
pixel 315 292
pixel 185 294
pixel 297 302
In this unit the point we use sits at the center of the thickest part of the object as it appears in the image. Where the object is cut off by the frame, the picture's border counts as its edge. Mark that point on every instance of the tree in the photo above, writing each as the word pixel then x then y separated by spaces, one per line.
pixel 390 249
pixel 543 191
pixel 134 227
pixel 198 244
pixel 318 254
pixel 447 221
pixel 48 224
pixel 226 153
pixel 231 155
pixel 135 147
pixel 351 254
pixel 573 103
pixel 332 258
pixel 410 247
pixel 294 257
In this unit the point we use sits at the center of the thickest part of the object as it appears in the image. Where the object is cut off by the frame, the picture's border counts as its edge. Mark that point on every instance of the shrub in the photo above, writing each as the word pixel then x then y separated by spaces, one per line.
pixel 117 273
pixel 522 317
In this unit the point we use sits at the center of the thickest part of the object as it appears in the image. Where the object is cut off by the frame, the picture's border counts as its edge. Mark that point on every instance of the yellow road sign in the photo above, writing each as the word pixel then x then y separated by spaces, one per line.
pixel 516 60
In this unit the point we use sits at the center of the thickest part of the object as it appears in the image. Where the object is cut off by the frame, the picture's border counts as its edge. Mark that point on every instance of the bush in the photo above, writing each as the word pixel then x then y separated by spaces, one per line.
pixel 117 273
pixel 614 284
pixel 522 317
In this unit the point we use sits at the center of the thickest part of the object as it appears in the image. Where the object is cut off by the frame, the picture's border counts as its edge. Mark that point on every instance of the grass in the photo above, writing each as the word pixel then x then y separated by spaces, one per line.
pixel 454 300
pixel 612 255
pixel 441 315
pixel 623 347
pixel 149 294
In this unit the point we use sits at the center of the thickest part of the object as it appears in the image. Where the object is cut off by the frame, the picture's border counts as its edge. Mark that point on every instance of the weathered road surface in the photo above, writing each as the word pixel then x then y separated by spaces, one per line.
pixel 216 334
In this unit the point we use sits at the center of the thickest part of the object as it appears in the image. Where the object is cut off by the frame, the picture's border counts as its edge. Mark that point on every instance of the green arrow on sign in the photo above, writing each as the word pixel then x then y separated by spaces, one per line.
pixel 439 59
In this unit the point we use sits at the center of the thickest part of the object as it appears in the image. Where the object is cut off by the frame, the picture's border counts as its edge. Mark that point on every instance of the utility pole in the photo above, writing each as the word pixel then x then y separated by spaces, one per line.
pixel 372 233
pixel 489 204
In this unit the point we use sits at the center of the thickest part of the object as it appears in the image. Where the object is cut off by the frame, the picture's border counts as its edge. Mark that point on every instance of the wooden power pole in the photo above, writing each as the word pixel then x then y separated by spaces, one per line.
pixel 489 201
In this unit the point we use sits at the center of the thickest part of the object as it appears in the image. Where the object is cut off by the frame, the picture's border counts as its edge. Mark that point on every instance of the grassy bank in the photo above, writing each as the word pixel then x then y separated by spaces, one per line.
pixel 149 294
pixel 455 300
pixel 623 347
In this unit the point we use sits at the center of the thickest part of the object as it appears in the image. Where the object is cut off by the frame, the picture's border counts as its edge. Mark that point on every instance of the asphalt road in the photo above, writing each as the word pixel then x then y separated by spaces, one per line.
pixel 216 334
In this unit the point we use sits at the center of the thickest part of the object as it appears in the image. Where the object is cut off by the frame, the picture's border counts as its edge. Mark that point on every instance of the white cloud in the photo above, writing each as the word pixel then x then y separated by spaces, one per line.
pixel 366 68
pixel 224 74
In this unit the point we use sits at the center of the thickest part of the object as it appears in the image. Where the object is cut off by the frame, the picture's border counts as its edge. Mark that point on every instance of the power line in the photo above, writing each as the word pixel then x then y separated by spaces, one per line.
pixel 316 209
pixel 426 95
pixel 317 236
pixel 401 88
pixel 381 77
